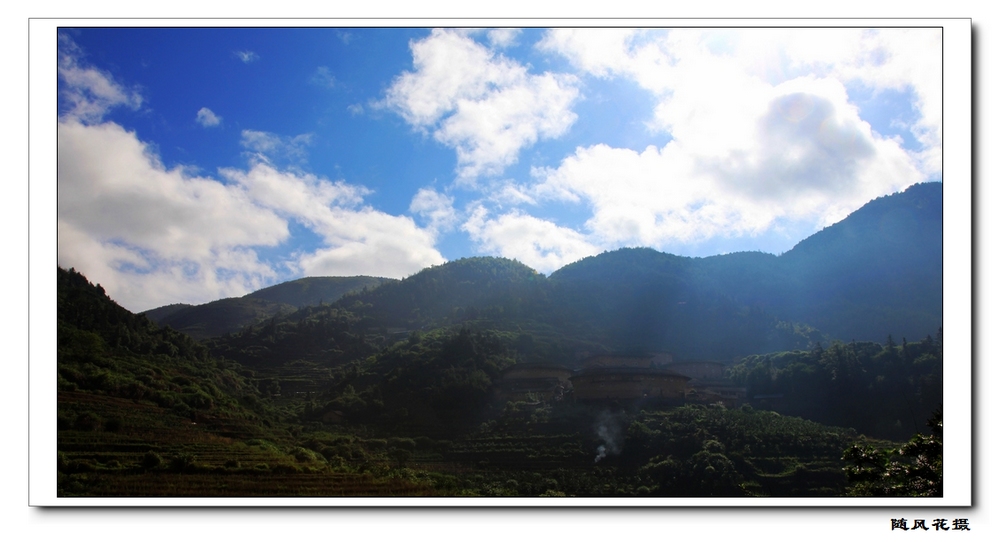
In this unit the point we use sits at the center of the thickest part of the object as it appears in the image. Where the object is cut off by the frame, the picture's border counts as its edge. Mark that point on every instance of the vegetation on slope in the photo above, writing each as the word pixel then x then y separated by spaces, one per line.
pixel 232 314
pixel 390 390
pixel 886 391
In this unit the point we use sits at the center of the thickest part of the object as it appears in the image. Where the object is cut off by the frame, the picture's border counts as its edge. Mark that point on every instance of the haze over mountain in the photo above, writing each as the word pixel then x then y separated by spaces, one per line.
pixel 876 273
pixel 405 375
pixel 617 338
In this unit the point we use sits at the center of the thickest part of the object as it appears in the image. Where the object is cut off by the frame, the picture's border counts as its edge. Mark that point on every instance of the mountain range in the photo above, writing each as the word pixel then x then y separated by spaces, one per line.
pixel 874 274
pixel 231 314
pixel 367 386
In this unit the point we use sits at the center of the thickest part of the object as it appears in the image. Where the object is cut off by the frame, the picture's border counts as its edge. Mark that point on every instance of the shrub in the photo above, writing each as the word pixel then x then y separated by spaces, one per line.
pixel 113 425
pixel 63 422
pixel 199 400
pixel 88 421
pixel 303 455
pixel 151 460
pixel 182 462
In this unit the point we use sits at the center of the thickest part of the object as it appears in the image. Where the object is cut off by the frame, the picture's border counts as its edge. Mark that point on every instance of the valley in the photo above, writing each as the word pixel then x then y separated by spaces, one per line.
pixel 630 373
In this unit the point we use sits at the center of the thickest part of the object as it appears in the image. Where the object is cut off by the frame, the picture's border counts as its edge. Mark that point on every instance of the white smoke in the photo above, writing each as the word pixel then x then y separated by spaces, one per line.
pixel 609 430
pixel 601 453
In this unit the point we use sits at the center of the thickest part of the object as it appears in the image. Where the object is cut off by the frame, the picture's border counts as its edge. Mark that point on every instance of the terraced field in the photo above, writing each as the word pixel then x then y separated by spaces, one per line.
pixel 114 447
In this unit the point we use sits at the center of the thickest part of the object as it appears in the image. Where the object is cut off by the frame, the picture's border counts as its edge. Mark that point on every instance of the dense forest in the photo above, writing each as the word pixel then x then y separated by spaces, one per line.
pixel 829 361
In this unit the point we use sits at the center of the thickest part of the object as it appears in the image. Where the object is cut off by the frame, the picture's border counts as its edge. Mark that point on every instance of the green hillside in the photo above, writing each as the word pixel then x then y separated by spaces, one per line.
pixel 643 300
pixel 357 386
pixel 145 411
pixel 232 314
pixel 310 291
pixel 877 272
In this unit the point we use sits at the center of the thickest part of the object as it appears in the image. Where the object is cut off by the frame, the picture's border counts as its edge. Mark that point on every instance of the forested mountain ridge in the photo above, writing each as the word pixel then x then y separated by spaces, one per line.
pixel 104 347
pixel 145 411
pixel 453 292
pixel 644 300
pixel 232 314
pixel 876 273
pixel 309 291
pixel 392 389
pixel 318 403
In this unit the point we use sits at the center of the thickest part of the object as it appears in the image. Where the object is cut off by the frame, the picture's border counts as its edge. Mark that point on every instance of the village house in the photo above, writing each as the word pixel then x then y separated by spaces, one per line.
pixel 533 382
pixel 617 377
pixel 708 383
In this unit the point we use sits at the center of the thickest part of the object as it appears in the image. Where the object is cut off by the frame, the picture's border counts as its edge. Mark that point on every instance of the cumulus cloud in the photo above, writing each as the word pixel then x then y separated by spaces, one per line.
pixel 207 118
pixel 153 235
pixel 370 242
pixel 86 94
pixel 540 244
pixel 692 62
pixel 273 147
pixel 511 193
pixel 503 37
pixel 150 234
pixel 809 158
pixel 484 105
pixel 357 239
pixel 435 208
pixel 762 132
pixel 598 51
pixel 112 184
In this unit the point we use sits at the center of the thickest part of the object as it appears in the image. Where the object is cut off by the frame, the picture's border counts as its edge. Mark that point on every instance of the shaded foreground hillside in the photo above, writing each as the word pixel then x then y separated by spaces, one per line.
pixel 360 386
pixel 147 411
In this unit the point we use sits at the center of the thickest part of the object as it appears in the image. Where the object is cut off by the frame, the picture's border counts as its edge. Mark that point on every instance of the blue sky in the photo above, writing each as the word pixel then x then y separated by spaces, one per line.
pixel 202 163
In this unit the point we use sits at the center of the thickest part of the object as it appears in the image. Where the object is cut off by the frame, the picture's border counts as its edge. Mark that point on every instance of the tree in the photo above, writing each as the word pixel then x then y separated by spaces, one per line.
pixel 915 469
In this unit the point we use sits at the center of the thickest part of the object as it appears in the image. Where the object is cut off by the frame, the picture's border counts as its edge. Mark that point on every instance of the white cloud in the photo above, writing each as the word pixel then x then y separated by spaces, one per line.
pixel 807 157
pixel 152 235
pixel 722 64
pixel 907 58
pixel 357 240
pixel 273 147
pixel 306 197
pixel 86 94
pixel 539 244
pixel 207 118
pixel 246 57
pixel 345 37
pixel 762 132
pixel 510 193
pixel 503 37
pixel 597 51
pixel 324 77
pixel 436 209
pixel 370 242
pixel 113 184
pixel 485 106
